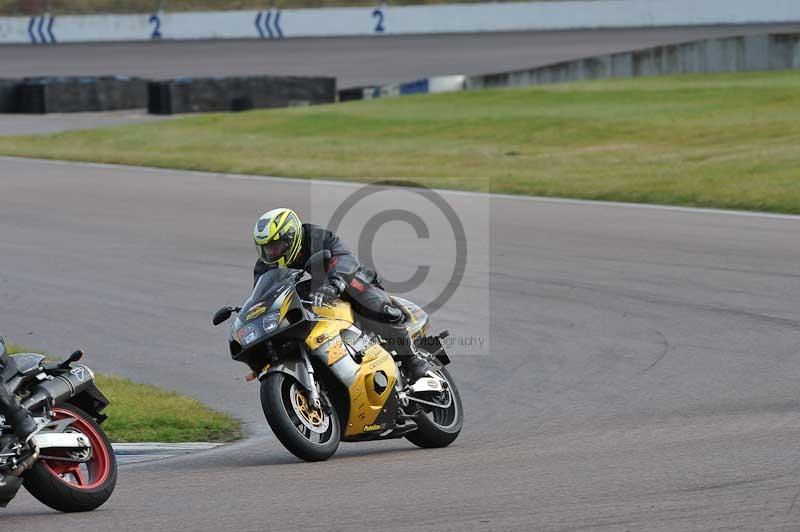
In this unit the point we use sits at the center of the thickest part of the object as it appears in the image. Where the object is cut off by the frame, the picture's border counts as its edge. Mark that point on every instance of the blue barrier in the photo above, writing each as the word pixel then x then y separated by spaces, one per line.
pixel 434 84
pixel 420 86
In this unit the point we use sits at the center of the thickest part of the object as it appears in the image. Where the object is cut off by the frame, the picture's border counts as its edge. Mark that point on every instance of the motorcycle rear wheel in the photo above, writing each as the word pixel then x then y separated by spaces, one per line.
pixel 439 427
pixel 308 433
pixel 69 486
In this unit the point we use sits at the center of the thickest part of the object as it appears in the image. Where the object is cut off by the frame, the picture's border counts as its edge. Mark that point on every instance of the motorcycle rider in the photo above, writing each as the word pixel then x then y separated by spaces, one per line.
pixel 20 419
pixel 283 241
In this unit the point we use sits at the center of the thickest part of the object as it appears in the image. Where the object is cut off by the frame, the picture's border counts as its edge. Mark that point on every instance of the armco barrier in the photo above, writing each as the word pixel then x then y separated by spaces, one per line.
pixel 395 20
pixel 732 54
pixel 80 94
pixel 432 85
pixel 421 86
pixel 189 95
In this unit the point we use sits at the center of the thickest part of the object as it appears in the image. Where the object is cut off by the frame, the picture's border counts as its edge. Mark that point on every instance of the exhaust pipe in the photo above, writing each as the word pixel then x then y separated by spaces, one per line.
pixel 60 388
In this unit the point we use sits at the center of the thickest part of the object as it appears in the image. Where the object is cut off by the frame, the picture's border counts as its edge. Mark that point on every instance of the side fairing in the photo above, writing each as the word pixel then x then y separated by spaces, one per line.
pixel 371 391
pixel 370 384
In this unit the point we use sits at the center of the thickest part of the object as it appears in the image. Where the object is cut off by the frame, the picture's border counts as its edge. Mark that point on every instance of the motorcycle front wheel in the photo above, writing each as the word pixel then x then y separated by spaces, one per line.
pixel 74 481
pixel 308 432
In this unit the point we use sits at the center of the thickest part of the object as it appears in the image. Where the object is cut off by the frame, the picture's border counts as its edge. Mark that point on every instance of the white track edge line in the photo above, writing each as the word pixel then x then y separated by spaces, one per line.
pixel 351 184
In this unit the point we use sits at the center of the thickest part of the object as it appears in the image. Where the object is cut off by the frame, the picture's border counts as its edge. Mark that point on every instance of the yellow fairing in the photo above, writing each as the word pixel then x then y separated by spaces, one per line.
pixel 285 306
pixel 338 311
pixel 365 403
pixel 339 316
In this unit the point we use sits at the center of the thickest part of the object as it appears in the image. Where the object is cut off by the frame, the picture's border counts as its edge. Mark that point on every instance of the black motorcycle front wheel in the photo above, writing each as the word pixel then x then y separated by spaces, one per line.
pixel 310 433
pixel 71 481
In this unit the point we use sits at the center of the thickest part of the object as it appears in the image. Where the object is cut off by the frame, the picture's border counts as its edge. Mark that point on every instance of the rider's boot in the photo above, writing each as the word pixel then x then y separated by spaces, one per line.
pixel 19 418
pixel 415 368
pixel 399 341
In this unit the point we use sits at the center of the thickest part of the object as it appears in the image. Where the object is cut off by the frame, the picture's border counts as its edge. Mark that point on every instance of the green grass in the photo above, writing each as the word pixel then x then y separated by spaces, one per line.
pixel 29 7
pixel 728 141
pixel 139 413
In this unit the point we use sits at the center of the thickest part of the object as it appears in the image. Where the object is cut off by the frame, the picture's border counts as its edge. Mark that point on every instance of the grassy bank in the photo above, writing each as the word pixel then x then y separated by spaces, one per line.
pixel 71 7
pixel 728 141
pixel 139 413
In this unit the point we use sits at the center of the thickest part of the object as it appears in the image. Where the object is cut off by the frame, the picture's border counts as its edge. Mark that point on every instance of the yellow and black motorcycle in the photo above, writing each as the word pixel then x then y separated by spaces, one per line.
pixel 325 380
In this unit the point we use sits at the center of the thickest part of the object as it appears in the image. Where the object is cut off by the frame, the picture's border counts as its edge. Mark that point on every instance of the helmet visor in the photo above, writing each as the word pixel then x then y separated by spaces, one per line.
pixel 272 251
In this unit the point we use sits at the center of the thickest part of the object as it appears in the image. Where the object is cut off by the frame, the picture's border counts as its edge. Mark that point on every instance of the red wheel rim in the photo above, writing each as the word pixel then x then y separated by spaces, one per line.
pixel 81 475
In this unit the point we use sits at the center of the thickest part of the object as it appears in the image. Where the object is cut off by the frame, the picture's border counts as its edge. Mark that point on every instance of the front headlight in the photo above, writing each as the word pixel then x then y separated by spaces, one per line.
pixel 246 334
pixel 270 321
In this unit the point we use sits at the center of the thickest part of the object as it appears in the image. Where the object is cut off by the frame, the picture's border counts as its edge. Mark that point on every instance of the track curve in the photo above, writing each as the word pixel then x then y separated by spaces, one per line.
pixel 640 373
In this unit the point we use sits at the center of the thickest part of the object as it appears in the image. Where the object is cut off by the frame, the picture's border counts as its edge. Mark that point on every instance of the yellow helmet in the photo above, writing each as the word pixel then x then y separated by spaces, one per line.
pixel 278 235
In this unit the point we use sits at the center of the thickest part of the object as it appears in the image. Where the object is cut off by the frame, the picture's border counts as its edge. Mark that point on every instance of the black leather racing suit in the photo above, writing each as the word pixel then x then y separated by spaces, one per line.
pixel 19 418
pixel 371 303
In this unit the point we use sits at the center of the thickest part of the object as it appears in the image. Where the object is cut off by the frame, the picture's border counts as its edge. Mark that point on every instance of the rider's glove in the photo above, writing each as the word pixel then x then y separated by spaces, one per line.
pixel 328 292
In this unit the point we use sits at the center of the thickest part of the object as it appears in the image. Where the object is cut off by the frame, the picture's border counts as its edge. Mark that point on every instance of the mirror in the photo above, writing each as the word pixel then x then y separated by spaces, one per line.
pixel 222 315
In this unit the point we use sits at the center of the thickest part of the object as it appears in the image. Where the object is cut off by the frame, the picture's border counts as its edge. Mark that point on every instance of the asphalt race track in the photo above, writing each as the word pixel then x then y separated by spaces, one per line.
pixel 354 61
pixel 640 370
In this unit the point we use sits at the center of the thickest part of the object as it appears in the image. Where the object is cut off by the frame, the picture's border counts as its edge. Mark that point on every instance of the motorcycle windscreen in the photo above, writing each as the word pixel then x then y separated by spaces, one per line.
pixel 270 286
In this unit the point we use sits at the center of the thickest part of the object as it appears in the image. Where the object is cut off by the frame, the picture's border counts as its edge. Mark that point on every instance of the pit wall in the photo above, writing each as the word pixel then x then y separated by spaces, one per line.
pixel 394 20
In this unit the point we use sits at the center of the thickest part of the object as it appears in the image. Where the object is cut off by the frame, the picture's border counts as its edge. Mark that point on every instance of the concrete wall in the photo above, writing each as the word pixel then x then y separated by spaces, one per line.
pixel 734 54
pixel 395 20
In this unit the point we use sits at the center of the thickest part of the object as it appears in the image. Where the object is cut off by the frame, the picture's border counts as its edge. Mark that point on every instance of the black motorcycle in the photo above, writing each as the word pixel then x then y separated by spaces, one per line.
pixel 68 464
